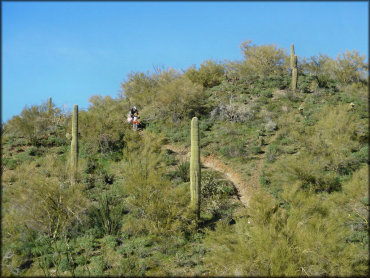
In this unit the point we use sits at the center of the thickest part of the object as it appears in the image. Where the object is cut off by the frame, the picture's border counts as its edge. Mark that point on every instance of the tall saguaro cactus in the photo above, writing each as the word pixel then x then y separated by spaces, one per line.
pixel 293 66
pixel 195 167
pixel 74 144
pixel 50 102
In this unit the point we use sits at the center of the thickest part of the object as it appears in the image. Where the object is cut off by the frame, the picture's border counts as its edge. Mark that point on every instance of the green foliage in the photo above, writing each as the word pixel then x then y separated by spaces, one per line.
pixel 210 74
pixel 172 95
pixel 272 152
pixel 213 185
pixel 183 171
pixel 43 198
pixel 40 202
pixel 320 67
pixel 103 126
pixel 265 84
pixel 107 215
pixel 233 149
pixel 140 88
pixel 179 99
pixel 306 84
pixel 326 152
pixel 350 67
pixel 154 206
pixel 9 163
pixel 306 237
pixel 263 60
pixel 35 122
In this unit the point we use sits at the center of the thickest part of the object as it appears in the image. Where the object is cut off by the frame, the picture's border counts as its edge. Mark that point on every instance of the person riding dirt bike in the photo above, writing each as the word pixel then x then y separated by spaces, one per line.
pixel 134 117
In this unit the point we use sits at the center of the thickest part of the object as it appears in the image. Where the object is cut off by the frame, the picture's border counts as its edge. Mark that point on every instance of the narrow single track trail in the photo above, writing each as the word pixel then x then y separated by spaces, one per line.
pixel 245 187
pixel 254 178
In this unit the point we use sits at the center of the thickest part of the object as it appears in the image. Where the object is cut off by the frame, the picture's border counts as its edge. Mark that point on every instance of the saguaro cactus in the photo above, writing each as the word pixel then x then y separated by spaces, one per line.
pixel 74 144
pixel 292 54
pixel 195 167
pixel 293 66
pixel 49 105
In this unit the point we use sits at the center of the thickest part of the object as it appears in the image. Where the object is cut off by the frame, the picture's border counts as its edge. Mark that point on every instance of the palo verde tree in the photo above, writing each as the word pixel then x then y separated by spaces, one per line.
pixel 263 60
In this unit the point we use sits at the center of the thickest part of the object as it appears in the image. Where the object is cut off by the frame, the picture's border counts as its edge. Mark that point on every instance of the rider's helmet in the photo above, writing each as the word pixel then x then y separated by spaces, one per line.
pixel 134 108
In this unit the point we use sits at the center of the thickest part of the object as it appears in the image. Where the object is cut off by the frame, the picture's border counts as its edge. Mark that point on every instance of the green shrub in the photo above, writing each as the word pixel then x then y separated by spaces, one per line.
pixel 35 151
pixel 183 171
pixel 35 122
pixel 305 83
pixel 10 163
pixel 102 127
pixel 155 206
pixel 255 149
pixel 233 149
pixel 309 233
pixel 42 196
pixel 263 60
pixel 210 74
pixel 107 215
pixel 267 94
pixel 212 185
pixel 272 152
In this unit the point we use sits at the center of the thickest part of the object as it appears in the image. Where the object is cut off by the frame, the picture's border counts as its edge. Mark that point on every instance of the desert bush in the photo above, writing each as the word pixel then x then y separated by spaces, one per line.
pixel 103 126
pixel 183 170
pixel 233 149
pixel 107 214
pixel 139 88
pixel 9 163
pixel 285 240
pixel 43 201
pixel 213 185
pixel 215 192
pixel 35 122
pixel 270 126
pixel 350 67
pixel 154 206
pixel 327 151
pixel 263 60
pixel 40 204
pixel 171 96
pixel 179 99
pixel 306 84
pixel 320 67
pixel 272 152
pixel 235 112
pixel 209 74
pixel 269 83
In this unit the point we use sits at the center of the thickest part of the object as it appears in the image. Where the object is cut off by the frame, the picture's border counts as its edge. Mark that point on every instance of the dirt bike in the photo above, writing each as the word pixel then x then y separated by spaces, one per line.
pixel 134 121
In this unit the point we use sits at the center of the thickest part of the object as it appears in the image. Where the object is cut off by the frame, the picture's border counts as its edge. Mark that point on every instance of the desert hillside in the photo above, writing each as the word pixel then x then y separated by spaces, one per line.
pixel 283 190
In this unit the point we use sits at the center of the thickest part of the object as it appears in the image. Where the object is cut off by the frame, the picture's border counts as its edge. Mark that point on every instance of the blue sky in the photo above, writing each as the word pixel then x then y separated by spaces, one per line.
pixel 72 50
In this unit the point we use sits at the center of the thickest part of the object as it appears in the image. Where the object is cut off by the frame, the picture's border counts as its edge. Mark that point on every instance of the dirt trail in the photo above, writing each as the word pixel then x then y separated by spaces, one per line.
pixel 245 187
pixel 254 179
pixel 244 191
